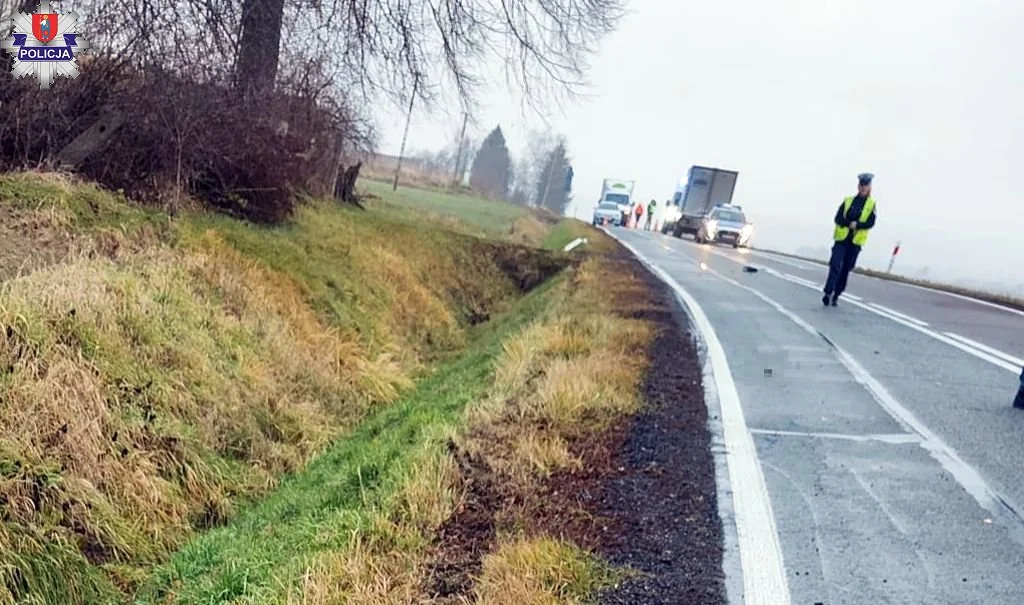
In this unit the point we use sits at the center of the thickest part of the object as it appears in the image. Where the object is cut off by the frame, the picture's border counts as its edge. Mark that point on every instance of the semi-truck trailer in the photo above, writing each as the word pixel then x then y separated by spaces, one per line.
pixel 705 188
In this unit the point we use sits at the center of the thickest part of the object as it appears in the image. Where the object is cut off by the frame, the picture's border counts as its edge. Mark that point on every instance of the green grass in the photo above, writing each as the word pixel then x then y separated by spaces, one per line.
pixel 155 387
pixel 569 229
pixel 82 206
pixel 481 216
pixel 261 556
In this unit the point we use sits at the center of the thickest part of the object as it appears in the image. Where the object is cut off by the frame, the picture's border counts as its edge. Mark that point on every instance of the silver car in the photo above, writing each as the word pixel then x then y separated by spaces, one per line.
pixel 725 224
pixel 607 211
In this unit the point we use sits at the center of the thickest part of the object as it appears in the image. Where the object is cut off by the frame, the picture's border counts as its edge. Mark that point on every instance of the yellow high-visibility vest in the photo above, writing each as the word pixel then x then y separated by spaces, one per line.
pixel 860 236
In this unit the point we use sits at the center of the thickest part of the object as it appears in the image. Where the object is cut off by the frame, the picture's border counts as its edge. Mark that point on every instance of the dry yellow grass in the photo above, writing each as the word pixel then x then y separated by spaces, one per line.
pixel 122 379
pixel 528 230
pixel 574 372
pixel 538 571
pixel 162 371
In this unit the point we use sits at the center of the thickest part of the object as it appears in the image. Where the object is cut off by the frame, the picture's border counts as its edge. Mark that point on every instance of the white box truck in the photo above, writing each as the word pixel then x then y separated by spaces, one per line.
pixel 620 192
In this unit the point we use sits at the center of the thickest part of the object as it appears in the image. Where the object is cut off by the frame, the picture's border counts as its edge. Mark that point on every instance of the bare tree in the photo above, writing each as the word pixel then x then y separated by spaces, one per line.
pixel 370 46
pixel 259 46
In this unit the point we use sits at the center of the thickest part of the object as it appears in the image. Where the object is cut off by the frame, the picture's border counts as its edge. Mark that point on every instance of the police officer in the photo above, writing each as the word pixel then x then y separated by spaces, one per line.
pixel 855 216
pixel 1018 401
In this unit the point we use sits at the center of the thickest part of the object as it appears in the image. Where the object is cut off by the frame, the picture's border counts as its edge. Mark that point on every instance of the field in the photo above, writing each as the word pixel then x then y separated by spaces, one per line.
pixel 198 410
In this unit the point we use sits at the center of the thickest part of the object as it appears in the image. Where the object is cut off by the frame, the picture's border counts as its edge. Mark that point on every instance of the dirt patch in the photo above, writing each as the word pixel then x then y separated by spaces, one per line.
pixel 468 534
pixel 527 267
pixel 28 244
pixel 644 496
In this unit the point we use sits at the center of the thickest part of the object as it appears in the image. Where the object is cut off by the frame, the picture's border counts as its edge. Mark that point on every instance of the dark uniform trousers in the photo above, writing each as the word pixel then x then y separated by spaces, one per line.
pixel 843 260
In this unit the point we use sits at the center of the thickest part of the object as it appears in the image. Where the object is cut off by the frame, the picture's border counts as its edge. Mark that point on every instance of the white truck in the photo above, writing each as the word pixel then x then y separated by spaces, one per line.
pixel 705 188
pixel 620 192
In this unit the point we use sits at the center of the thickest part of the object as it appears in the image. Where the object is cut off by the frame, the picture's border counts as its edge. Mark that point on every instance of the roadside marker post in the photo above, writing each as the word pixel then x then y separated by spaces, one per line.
pixel 892 258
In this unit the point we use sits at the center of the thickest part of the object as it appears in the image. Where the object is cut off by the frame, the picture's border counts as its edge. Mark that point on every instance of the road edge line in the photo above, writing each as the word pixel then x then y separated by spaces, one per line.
pixel 760 552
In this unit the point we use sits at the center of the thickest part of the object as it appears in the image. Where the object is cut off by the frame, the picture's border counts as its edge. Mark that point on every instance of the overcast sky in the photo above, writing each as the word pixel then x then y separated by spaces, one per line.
pixel 799 96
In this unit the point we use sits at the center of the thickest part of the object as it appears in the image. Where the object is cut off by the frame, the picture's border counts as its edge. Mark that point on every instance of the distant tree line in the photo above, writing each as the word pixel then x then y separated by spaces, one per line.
pixel 241 103
pixel 540 177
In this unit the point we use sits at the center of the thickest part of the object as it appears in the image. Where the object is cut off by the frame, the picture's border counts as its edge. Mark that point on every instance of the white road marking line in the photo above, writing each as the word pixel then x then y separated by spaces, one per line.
pixel 898 314
pixel 806 282
pixel 969 479
pixel 1002 363
pixel 1017 361
pixel 793 278
pixel 783 261
pixel 979 353
pixel 895 439
pixel 800 263
pixel 978 301
pixel 983 303
pixel 764 576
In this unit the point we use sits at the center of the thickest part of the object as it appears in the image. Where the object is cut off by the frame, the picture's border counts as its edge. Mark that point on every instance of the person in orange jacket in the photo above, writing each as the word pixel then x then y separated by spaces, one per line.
pixel 639 214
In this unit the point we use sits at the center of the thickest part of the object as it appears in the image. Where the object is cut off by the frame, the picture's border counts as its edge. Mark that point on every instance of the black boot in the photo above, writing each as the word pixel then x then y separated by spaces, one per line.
pixel 1018 401
pixel 824 299
pixel 835 300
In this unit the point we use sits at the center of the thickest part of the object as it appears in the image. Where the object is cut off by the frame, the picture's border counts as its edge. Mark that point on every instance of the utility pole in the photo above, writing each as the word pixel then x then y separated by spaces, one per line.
pixel 547 186
pixel 459 170
pixel 408 119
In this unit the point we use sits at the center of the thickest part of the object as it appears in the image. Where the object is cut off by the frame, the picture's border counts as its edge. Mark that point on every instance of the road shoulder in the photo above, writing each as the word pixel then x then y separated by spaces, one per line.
pixel 662 493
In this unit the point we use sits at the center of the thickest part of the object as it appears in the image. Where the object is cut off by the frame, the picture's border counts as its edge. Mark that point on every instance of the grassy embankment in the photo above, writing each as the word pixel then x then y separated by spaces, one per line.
pixel 1006 300
pixel 164 377
pixel 465 213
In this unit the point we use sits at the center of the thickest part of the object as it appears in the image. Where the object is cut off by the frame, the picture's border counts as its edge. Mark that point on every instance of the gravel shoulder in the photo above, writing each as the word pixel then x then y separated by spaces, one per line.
pixel 661 491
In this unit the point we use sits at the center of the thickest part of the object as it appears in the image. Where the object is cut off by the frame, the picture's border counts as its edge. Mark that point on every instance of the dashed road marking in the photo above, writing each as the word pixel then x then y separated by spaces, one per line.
pixel 999 359
pixel 898 314
pixel 969 479
pixel 1016 361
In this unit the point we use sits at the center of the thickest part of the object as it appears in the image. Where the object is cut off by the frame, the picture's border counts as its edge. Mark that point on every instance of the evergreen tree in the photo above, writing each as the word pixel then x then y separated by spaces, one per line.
pixel 491 173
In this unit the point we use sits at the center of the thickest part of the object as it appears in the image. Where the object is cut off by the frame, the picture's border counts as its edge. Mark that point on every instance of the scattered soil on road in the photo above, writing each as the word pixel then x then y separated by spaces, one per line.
pixel 644 496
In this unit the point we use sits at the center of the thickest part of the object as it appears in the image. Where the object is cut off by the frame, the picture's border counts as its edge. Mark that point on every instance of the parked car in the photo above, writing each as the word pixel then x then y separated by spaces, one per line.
pixel 607 211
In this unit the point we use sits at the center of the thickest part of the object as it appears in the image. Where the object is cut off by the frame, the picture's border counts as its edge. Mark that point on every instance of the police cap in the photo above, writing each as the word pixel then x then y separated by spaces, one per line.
pixel 864 178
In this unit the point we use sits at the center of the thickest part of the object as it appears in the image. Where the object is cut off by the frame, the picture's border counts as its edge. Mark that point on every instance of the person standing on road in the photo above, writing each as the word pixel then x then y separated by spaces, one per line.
pixel 650 213
pixel 855 216
pixel 639 215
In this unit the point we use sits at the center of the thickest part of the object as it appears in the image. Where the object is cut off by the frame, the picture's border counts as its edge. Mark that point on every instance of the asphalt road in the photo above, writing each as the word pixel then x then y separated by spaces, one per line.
pixel 890 459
